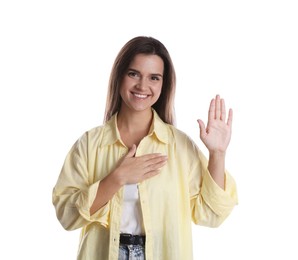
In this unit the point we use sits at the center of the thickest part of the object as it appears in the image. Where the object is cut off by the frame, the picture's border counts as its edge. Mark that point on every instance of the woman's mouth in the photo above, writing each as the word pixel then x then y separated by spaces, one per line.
pixel 142 96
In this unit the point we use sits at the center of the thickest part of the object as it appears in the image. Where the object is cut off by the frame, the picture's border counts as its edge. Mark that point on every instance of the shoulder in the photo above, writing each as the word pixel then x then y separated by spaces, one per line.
pixel 95 132
pixel 102 135
pixel 179 135
pixel 183 141
pixel 89 138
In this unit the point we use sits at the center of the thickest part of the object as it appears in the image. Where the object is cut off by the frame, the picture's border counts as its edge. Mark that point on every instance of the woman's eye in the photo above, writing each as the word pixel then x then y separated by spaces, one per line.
pixel 132 74
pixel 155 78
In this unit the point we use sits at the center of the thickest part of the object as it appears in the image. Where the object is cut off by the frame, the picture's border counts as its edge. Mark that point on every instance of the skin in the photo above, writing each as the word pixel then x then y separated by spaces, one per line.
pixel 140 89
pixel 216 137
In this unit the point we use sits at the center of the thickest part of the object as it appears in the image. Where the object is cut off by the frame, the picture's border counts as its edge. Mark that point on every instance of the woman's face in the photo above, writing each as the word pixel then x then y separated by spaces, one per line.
pixel 141 85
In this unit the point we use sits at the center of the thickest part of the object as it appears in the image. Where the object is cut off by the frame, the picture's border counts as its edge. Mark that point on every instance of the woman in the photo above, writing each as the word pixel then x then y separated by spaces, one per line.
pixel 134 184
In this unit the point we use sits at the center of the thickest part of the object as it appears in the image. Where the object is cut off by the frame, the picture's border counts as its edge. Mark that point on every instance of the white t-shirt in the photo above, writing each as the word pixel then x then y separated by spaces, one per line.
pixel 132 218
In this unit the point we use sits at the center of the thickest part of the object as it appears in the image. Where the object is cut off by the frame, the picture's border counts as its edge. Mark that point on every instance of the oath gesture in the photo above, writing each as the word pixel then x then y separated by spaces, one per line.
pixel 216 136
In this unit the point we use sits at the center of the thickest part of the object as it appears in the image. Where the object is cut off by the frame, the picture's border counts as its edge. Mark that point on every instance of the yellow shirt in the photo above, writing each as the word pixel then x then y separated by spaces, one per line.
pixel 183 191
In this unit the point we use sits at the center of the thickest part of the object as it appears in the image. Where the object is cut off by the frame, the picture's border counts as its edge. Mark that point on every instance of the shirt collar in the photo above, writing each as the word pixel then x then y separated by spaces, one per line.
pixel 158 128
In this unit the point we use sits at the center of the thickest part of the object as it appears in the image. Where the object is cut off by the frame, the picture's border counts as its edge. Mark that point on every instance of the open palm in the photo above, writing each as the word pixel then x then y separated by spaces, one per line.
pixel 217 135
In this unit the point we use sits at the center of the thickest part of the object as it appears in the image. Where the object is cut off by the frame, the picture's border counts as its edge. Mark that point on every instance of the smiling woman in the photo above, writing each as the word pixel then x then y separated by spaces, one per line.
pixel 135 183
pixel 141 86
pixel 123 62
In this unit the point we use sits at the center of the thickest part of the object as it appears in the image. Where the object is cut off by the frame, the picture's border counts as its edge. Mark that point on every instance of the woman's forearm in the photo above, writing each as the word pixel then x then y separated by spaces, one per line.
pixel 106 190
pixel 216 167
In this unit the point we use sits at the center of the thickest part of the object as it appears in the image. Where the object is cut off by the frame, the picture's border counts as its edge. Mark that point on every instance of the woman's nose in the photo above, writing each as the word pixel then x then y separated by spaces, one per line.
pixel 142 83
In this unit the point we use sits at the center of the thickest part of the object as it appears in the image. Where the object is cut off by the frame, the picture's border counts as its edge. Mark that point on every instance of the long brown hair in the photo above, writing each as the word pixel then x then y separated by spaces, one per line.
pixel 164 106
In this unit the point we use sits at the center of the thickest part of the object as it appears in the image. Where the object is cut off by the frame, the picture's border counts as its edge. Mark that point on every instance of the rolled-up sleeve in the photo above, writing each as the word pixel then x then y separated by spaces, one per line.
pixel 73 194
pixel 220 201
pixel 210 204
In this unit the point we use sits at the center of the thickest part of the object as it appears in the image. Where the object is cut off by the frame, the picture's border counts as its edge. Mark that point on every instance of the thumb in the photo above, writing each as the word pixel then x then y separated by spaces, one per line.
pixel 202 127
pixel 131 151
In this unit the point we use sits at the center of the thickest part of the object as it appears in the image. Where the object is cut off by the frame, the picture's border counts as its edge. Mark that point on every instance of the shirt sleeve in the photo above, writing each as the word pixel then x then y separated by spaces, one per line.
pixel 73 194
pixel 210 204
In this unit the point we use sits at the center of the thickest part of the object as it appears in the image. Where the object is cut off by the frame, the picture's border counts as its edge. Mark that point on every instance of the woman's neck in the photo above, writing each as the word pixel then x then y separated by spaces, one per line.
pixel 133 127
pixel 134 121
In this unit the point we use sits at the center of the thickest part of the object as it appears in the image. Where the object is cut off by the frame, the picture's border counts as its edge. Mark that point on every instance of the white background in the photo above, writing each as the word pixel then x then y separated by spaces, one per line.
pixel 55 60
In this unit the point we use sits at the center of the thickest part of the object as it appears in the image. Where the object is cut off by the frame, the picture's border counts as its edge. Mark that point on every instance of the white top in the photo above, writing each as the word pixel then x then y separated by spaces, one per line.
pixel 132 218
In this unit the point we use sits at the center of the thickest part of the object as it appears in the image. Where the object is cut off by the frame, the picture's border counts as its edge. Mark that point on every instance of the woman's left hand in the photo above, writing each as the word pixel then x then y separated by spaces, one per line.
pixel 217 135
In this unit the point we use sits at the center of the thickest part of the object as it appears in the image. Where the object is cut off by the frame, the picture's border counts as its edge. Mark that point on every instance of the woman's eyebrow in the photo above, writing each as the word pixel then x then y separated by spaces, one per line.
pixel 153 74
pixel 157 74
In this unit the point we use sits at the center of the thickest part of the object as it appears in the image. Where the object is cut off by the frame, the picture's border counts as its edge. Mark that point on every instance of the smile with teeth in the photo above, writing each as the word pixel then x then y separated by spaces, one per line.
pixel 140 95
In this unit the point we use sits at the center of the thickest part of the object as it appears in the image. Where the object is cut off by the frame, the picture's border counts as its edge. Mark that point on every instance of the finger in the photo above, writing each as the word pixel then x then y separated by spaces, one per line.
pixel 155 162
pixel 148 157
pixel 211 113
pixel 230 118
pixel 141 171
pixel 150 174
pixel 132 151
pixel 153 166
pixel 202 127
pixel 217 107
pixel 223 110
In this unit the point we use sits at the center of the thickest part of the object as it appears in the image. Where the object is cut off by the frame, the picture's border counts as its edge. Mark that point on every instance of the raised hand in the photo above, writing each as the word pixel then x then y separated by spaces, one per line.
pixel 217 135
pixel 131 169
